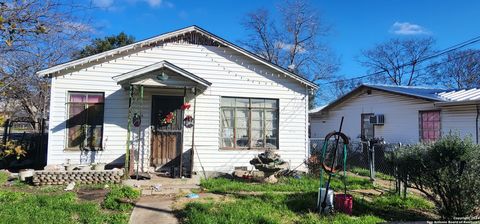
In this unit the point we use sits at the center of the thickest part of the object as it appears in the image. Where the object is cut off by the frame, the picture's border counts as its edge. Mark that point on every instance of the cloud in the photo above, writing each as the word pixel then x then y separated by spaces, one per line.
pixel 406 28
pixel 103 3
pixel 154 3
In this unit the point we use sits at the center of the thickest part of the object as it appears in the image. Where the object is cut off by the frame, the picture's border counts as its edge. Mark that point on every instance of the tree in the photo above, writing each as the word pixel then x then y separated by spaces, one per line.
pixel 399 60
pixel 294 42
pixel 35 34
pixel 99 45
pixel 459 69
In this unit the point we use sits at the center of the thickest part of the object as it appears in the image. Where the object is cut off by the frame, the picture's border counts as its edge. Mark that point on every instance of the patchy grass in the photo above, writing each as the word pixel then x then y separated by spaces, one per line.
pixel 366 173
pixel 3 177
pixel 392 207
pixel 121 198
pixel 21 203
pixel 304 184
pixel 22 207
pixel 266 208
pixel 294 201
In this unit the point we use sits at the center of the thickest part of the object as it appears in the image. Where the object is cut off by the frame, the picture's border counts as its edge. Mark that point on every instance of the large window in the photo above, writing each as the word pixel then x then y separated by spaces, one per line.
pixel 85 120
pixel 429 122
pixel 248 123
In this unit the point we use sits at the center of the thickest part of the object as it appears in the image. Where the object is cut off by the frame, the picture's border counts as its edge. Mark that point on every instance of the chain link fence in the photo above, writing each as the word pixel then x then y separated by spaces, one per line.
pixel 360 156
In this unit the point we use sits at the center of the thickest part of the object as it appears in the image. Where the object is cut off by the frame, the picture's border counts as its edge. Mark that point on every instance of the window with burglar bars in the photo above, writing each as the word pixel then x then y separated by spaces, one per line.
pixel 85 120
pixel 429 122
pixel 249 123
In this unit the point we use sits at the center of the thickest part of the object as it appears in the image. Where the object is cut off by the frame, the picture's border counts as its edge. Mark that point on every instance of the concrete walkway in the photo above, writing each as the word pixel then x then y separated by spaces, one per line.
pixel 154 209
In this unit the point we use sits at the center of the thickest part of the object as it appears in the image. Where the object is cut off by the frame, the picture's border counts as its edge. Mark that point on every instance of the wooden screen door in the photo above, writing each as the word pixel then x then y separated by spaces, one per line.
pixel 167 125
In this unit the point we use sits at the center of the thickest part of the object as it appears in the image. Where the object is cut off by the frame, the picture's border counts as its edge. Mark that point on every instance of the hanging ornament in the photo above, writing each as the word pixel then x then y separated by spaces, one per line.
pixel 185 106
pixel 188 121
pixel 136 120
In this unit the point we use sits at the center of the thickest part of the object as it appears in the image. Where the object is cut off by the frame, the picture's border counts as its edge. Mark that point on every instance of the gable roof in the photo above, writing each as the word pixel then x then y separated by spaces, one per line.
pixel 435 95
pixel 159 65
pixel 149 41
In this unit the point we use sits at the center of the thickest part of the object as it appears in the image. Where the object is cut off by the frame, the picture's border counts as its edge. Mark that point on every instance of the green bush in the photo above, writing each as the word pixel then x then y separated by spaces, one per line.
pixel 121 198
pixel 446 171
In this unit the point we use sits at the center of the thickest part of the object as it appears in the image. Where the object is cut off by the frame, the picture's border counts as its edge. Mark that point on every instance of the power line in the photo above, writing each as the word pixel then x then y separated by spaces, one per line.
pixel 440 53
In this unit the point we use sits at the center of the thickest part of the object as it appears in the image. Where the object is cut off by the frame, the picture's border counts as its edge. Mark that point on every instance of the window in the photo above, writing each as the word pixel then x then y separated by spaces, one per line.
pixel 367 127
pixel 429 122
pixel 249 123
pixel 85 120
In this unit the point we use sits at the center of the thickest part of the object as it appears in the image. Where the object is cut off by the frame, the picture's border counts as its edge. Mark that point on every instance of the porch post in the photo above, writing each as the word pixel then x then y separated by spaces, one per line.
pixel 127 153
pixel 181 146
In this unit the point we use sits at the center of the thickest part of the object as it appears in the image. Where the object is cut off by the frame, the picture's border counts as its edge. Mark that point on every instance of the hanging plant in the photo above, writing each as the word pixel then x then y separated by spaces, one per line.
pixel 188 121
pixel 185 106
pixel 168 119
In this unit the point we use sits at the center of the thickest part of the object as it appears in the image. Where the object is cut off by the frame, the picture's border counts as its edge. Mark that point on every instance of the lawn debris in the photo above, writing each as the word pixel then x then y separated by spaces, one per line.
pixel 70 186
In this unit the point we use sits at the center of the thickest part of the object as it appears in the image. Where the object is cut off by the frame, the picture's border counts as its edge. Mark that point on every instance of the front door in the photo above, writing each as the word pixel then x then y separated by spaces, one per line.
pixel 167 124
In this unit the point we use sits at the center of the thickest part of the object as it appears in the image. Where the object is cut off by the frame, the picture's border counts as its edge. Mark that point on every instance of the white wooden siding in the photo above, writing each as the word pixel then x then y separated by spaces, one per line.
pixel 231 74
pixel 401 117
pixel 460 120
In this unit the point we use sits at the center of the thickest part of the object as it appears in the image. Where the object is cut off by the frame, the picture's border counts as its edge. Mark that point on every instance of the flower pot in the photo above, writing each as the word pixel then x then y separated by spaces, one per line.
pixel 99 166
pixel 26 174
pixel 86 168
pixel 70 167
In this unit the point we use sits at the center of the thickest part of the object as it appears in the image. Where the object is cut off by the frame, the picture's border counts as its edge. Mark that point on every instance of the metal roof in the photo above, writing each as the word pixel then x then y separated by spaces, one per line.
pixel 460 95
pixel 436 95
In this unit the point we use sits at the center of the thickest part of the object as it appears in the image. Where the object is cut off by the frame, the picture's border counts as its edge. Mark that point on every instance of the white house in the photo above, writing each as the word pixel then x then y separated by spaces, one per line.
pixel 186 89
pixel 400 114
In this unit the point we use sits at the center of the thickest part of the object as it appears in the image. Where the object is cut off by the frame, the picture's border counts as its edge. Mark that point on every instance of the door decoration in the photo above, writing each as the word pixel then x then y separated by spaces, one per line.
pixel 136 120
pixel 168 119
pixel 188 121
pixel 185 106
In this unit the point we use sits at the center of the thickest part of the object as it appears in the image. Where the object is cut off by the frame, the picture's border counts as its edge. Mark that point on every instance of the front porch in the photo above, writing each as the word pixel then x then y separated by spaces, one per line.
pixel 161 119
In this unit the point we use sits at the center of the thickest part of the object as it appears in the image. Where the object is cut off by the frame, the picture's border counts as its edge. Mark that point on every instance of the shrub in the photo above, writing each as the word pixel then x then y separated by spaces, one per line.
pixel 446 171
pixel 121 198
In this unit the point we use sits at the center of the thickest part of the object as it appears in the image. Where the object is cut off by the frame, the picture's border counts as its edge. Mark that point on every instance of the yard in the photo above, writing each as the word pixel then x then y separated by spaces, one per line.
pixel 21 203
pixel 293 200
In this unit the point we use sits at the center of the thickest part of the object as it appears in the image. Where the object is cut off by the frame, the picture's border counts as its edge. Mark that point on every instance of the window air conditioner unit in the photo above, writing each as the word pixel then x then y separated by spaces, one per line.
pixel 378 119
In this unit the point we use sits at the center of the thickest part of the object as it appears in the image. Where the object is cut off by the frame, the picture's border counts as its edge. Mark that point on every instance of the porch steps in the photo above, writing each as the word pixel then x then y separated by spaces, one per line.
pixel 164 186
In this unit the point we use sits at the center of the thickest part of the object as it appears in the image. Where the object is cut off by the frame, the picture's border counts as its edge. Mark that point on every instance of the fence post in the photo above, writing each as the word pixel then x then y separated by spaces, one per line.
pixel 5 131
pixel 371 158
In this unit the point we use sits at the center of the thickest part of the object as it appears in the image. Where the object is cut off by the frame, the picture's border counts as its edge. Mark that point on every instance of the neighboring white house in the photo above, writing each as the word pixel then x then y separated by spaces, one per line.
pixel 239 103
pixel 400 114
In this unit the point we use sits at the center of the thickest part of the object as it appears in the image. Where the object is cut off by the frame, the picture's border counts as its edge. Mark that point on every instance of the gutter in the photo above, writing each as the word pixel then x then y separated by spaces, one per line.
pixel 457 103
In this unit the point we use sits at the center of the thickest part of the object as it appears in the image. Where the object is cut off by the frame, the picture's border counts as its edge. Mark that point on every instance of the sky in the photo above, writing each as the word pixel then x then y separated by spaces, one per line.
pixel 355 25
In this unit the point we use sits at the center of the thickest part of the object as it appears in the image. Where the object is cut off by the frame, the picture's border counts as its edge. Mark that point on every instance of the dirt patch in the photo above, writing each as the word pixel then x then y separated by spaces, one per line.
pixel 180 202
pixel 92 194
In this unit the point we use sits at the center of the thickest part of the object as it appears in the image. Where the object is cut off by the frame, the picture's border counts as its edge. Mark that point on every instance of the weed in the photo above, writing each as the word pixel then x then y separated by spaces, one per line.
pixel 366 173
pixel 304 184
pixel 121 198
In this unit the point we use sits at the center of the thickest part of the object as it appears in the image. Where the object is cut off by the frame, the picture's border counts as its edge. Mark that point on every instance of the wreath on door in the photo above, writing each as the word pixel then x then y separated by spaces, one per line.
pixel 168 119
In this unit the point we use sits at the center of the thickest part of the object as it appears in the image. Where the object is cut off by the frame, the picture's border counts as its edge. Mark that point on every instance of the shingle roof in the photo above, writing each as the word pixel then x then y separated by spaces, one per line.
pixel 436 95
